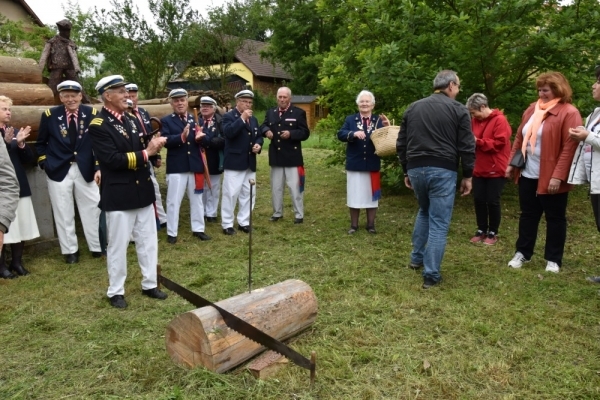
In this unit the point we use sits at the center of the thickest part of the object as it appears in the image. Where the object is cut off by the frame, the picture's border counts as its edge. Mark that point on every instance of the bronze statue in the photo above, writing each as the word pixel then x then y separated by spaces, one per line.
pixel 60 57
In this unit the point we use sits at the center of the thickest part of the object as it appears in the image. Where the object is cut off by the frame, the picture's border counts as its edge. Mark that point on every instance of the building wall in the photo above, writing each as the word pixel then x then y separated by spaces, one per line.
pixel 14 12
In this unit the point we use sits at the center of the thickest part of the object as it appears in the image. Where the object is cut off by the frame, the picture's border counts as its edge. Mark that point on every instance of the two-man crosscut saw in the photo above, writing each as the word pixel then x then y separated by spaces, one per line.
pixel 244 327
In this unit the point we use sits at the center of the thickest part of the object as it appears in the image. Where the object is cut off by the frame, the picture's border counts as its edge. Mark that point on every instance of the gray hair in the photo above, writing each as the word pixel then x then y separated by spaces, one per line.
pixel 285 88
pixel 366 93
pixel 476 101
pixel 443 78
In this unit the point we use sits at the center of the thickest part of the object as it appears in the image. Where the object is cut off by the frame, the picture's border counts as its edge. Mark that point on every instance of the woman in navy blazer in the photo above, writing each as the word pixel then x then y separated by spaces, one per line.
pixel 362 164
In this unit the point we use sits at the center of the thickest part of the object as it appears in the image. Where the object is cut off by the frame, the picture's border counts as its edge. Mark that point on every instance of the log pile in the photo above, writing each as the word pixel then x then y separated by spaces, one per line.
pixel 21 80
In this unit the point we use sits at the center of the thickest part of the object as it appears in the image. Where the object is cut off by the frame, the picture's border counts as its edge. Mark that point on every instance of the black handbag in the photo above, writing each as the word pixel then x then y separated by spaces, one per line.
pixel 518 160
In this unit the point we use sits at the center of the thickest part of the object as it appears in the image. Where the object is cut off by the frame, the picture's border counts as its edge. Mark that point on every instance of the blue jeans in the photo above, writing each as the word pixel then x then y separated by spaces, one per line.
pixel 435 189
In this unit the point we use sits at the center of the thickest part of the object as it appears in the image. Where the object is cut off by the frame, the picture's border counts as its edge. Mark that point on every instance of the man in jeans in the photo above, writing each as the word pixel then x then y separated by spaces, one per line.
pixel 435 134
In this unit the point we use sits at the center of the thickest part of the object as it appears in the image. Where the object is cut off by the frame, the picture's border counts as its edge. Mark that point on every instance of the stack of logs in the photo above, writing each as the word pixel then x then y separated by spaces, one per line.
pixel 21 80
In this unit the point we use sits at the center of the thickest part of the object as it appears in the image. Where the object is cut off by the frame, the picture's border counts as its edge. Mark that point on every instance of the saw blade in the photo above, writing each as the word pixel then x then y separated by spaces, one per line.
pixel 240 326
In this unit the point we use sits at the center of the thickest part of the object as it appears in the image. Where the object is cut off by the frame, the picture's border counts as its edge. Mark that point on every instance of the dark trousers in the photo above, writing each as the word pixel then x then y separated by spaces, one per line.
pixel 554 206
pixel 595 198
pixel 486 194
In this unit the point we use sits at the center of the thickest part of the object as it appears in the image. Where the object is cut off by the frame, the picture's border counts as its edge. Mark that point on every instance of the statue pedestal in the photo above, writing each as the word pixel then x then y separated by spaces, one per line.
pixel 43 211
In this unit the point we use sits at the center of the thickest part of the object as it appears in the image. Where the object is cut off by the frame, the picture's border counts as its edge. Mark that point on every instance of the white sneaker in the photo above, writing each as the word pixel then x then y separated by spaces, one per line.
pixel 518 260
pixel 552 267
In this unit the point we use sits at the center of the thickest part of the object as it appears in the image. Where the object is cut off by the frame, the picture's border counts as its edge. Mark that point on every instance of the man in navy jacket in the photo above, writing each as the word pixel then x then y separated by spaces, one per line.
pixel 243 141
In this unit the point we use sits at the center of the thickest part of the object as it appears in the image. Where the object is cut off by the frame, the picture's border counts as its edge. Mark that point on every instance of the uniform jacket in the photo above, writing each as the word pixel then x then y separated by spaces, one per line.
pixel 239 139
pixel 9 189
pixel 286 152
pixel 214 151
pixel 557 148
pixel 360 154
pixel 125 183
pixel 577 174
pixel 147 126
pixel 436 132
pixel 53 145
pixel 492 145
pixel 182 156
pixel 18 157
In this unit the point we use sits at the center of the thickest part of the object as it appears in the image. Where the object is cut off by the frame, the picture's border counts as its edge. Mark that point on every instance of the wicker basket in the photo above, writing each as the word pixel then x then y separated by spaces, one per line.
pixel 384 140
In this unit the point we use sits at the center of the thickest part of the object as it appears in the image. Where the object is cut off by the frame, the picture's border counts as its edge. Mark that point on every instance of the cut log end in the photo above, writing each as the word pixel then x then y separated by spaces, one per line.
pixel 267 364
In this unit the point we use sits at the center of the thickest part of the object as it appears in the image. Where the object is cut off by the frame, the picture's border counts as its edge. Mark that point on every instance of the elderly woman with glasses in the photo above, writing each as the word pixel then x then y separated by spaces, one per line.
pixel 492 147
pixel 362 164
pixel 543 140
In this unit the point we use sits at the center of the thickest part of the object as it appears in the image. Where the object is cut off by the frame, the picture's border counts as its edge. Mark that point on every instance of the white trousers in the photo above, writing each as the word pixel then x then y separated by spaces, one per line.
pixel 236 188
pixel 289 176
pixel 177 186
pixel 63 195
pixel 211 198
pixel 121 225
pixel 162 215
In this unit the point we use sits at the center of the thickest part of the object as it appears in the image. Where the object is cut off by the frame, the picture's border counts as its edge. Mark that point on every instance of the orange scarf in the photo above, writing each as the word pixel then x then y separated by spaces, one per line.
pixel 538 117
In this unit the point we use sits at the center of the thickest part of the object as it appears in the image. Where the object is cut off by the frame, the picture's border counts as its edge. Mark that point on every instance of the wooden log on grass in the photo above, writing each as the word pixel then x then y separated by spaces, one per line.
pixel 19 70
pixel 201 337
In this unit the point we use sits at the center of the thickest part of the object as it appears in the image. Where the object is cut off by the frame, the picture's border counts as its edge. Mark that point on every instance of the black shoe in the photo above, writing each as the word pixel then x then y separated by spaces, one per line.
pixel 245 229
pixel 5 273
pixel 163 225
pixel 274 219
pixel 352 230
pixel 594 279
pixel 19 270
pixel 171 239
pixel 118 301
pixel 97 254
pixel 298 220
pixel 371 230
pixel 229 231
pixel 428 283
pixel 154 293
pixel 201 235
pixel 415 266
pixel 211 219
pixel 72 258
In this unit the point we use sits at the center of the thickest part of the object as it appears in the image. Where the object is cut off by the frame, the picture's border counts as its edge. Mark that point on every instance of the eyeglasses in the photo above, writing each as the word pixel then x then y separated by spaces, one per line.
pixel 245 101
pixel 457 85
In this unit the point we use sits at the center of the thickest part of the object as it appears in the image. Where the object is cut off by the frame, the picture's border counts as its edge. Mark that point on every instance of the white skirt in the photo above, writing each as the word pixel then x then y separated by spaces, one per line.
pixel 358 190
pixel 24 227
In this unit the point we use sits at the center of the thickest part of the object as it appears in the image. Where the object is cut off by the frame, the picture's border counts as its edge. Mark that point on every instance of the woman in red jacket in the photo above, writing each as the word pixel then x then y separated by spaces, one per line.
pixel 492 140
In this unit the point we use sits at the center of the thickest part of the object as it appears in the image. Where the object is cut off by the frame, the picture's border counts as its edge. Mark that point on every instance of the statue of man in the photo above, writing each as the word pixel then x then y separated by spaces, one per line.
pixel 60 57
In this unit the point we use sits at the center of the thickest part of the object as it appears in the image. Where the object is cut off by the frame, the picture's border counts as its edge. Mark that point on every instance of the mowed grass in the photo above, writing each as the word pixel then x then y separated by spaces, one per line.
pixel 488 332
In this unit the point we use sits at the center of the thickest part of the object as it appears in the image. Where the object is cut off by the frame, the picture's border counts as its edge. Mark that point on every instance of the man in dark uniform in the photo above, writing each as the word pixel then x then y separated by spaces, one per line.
pixel 212 125
pixel 185 168
pixel 126 191
pixel 243 141
pixel 64 151
pixel 286 127
pixel 155 161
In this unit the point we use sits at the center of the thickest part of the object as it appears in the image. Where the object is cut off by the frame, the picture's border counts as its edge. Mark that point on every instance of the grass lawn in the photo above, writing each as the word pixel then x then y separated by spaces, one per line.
pixel 487 332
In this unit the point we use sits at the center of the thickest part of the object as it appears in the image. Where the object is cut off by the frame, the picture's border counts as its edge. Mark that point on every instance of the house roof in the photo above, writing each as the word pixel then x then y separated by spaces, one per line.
pixel 303 99
pixel 249 55
pixel 34 17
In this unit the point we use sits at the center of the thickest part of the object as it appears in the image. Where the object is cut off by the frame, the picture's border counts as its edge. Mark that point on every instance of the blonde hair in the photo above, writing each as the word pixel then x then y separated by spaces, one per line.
pixel 7 100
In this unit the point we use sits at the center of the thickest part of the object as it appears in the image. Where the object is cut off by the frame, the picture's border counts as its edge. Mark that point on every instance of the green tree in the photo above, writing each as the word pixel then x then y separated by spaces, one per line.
pixel 19 40
pixel 149 54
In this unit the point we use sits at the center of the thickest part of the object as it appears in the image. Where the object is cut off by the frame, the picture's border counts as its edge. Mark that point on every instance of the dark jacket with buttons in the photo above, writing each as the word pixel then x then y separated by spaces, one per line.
pixel 239 140
pixel 147 126
pixel 125 183
pixel 18 157
pixel 53 145
pixel 182 156
pixel 214 151
pixel 286 152
pixel 360 154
